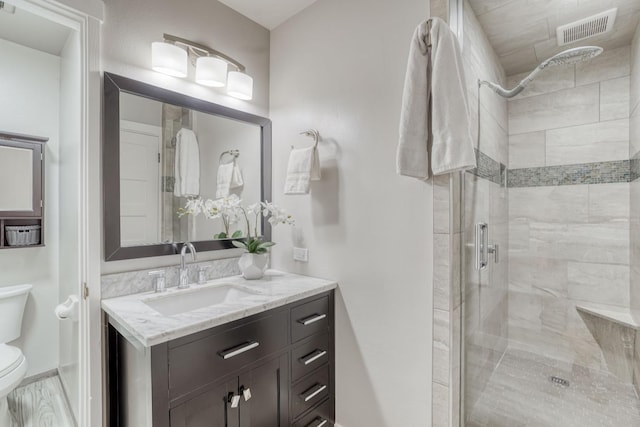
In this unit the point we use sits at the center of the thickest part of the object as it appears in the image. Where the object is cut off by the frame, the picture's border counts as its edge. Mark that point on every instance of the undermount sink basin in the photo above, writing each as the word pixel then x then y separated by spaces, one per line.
pixel 196 298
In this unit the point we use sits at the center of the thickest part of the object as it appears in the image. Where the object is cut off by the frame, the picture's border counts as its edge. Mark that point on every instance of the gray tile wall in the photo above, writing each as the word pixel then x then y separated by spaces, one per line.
pixel 634 155
pixel 569 208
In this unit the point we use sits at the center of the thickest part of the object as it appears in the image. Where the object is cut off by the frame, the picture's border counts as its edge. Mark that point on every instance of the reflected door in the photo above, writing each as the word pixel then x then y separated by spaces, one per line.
pixel 139 183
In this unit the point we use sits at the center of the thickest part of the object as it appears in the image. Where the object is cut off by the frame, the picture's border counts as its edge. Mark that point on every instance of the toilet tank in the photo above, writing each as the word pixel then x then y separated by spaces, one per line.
pixel 12 302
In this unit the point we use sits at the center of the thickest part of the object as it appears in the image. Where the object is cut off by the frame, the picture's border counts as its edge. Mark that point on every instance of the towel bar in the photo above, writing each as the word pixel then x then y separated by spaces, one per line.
pixel 234 153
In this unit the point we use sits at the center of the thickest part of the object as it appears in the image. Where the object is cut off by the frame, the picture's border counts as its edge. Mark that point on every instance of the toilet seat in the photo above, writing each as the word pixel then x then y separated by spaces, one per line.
pixel 10 358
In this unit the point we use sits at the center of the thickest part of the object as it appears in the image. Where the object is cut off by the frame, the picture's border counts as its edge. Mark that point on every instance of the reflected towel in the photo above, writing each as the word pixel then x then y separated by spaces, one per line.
pixel 236 179
pixel 187 164
pixel 229 176
pixel 438 94
pixel 304 166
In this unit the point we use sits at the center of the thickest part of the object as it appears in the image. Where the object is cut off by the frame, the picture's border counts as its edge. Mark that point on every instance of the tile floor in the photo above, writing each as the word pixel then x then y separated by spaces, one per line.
pixel 40 404
pixel 520 394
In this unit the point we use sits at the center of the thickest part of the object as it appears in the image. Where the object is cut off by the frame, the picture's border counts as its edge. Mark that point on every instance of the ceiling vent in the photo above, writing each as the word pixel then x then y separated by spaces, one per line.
pixel 587 27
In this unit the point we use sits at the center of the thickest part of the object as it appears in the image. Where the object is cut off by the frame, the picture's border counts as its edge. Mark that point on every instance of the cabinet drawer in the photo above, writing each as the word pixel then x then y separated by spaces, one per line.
pixel 198 363
pixel 309 356
pixel 309 319
pixel 310 391
pixel 321 416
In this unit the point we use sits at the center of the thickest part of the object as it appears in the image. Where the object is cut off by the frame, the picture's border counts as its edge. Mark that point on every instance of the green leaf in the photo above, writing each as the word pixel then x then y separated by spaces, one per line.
pixel 240 245
pixel 221 235
pixel 236 234
pixel 265 245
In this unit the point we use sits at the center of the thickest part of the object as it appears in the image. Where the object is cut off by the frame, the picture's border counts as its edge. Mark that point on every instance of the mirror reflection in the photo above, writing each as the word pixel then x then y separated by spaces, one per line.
pixel 16 179
pixel 170 155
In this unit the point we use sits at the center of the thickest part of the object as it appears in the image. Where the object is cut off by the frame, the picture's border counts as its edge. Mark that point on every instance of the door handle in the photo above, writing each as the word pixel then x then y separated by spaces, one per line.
pixel 312 319
pixel 483 248
pixel 316 390
pixel 239 349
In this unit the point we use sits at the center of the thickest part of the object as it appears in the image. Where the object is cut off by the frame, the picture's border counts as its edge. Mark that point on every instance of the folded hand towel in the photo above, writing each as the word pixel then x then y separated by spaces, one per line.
pixel 225 176
pixel 187 164
pixel 236 178
pixel 434 90
pixel 304 166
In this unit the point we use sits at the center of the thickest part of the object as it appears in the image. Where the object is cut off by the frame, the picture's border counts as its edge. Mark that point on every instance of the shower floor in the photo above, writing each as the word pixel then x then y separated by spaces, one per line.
pixel 521 394
pixel 40 404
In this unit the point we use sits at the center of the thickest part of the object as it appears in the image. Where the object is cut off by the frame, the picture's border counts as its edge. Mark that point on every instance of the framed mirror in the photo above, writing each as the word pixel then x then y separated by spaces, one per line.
pixel 163 149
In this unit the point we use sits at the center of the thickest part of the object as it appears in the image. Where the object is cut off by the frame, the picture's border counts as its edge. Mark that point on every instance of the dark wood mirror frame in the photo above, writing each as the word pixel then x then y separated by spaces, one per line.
pixel 113 86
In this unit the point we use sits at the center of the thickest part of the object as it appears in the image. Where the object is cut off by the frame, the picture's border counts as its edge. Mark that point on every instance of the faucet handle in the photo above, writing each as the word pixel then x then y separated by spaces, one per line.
pixel 202 275
pixel 160 280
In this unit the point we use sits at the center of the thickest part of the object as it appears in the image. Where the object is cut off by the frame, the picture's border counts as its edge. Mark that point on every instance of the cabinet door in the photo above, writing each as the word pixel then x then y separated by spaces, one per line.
pixel 269 402
pixel 210 409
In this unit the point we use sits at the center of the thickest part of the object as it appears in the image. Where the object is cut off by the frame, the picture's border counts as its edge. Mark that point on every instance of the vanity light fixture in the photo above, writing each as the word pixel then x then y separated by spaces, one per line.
pixel 211 65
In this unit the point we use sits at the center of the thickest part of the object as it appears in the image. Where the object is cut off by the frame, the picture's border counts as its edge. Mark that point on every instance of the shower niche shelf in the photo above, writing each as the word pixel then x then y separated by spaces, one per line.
pixel 21 190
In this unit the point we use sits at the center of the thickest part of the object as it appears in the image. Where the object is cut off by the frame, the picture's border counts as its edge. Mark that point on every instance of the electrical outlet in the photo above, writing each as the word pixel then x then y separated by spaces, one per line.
pixel 301 254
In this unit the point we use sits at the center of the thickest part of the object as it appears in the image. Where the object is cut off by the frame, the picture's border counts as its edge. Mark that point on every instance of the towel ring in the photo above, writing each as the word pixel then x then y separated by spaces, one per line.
pixel 234 153
pixel 313 134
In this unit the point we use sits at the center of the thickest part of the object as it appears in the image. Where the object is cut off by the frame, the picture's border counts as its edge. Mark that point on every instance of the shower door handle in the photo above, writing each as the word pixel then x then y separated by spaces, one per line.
pixel 481 246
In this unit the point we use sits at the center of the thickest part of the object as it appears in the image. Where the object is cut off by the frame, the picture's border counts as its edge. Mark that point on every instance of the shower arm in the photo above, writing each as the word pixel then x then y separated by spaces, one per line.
pixel 510 93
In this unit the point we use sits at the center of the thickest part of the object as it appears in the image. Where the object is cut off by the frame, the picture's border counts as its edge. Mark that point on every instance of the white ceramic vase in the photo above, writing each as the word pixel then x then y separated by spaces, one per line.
pixel 253 266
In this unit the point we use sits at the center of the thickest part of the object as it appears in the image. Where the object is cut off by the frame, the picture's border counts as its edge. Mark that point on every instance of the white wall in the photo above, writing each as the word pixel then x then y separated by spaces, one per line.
pixel 131 27
pixel 29 104
pixel 339 67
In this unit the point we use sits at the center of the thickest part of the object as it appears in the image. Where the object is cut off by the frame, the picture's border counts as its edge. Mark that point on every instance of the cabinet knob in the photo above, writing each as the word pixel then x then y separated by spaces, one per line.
pixel 233 399
pixel 246 393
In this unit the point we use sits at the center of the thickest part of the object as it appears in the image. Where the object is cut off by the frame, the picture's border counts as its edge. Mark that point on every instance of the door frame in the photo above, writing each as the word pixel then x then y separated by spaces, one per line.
pixel 85 17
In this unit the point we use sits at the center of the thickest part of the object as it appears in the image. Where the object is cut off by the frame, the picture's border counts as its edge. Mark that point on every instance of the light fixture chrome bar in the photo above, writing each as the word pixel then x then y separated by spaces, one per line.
pixel 194 47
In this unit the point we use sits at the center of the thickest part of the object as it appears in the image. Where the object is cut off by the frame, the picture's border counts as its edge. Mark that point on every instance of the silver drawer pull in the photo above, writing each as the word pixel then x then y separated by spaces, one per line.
pixel 239 349
pixel 317 422
pixel 312 357
pixel 317 390
pixel 312 319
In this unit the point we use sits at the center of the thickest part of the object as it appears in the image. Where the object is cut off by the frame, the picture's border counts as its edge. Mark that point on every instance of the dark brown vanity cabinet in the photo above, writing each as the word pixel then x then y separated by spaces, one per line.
pixel 21 190
pixel 268 370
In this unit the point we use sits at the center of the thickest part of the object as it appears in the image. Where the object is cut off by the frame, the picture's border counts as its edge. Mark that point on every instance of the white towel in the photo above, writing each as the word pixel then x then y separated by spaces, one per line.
pixel 435 93
pixel 229 176
pixel 236 179
pixel 187 164
pixel 304 166
pixel 225 175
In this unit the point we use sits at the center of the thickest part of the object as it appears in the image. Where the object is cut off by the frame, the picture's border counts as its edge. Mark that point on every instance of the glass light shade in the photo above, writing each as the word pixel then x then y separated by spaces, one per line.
pixel 169 59
pixel 211 71
pixel 240 85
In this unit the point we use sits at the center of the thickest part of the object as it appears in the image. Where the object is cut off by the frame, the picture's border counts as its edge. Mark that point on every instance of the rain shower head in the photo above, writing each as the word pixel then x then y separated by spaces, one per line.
pixel 573 56
pixel 566 57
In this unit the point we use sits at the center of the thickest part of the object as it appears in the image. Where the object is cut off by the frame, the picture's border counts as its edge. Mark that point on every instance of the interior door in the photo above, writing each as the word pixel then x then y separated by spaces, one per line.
pixel 139 183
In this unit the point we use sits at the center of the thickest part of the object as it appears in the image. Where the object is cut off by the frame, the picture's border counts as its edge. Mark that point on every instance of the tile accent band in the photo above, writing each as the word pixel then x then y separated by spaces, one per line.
pixel 489 169
pixel 585 173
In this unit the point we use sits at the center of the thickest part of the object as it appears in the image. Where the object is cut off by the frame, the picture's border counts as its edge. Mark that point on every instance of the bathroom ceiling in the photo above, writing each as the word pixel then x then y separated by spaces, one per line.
pixel 268 13
pixel 33 31
pixel 523 32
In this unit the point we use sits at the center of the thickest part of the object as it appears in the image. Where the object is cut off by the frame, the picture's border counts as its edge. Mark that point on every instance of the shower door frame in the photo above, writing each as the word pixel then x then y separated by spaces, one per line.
pixel 448 191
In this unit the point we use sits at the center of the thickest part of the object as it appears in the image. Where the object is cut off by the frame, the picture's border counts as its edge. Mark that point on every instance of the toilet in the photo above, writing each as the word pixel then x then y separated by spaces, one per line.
pixel 13 365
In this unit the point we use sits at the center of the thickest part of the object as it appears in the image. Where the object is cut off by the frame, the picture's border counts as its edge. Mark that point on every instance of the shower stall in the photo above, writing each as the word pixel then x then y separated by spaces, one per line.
pixel 542 314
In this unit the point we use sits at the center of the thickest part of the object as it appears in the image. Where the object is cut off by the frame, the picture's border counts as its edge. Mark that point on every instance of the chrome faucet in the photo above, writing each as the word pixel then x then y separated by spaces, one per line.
pixel 184 272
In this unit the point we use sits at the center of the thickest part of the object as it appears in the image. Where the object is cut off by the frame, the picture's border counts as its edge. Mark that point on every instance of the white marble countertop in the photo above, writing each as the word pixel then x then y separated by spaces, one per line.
pixel 149 327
